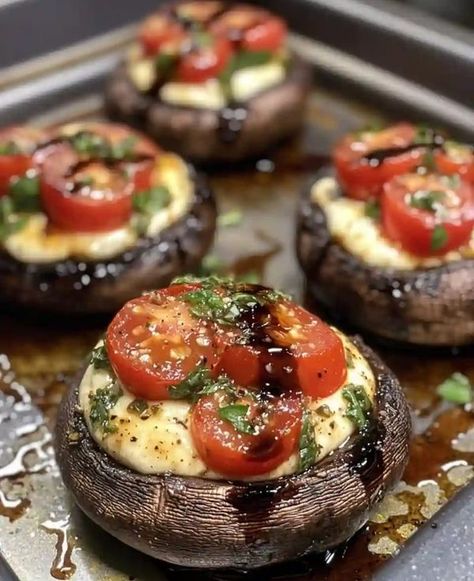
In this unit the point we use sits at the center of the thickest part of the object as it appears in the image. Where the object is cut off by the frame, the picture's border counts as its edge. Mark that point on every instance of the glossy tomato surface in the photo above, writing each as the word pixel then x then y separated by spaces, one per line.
pixel 204 62
pixel 428 215
pixel 157 31
pixel 365 161
pixel 154 343
pixel 235 454
pixel 17 144
pixel 456 158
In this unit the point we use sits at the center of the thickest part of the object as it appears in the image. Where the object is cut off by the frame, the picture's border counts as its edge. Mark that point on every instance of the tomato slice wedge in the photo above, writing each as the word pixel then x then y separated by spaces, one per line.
pixel 366 160
pixel 17 144
pixel 253 29
pixel 158 30
pixel 456 158
pixel 154 343
pixel 204 62
pixel 428 215
pixel 83 196
pixel 235 454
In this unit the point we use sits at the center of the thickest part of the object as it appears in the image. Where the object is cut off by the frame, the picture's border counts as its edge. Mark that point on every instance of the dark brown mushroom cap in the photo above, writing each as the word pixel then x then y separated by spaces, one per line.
pixel 207 523
pixel 72 286
pixel 430 306
pixel 200 134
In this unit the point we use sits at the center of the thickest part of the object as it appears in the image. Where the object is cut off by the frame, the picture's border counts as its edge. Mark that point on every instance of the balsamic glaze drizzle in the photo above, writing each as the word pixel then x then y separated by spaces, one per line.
pixel 378 156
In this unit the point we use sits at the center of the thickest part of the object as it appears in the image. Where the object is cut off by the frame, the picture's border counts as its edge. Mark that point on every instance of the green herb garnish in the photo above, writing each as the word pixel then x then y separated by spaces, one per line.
pixel 359 406
pixel 236 414
pixel 242 60
pixel 426 200
pixel 138 406
pixel 439 237
pixel 147 203
pixel 309 449
pixel 10 223
pixel 424 135
pixel 456 389
pixel 99 358
pixel 198 383
pixel 9 148
pixel 123 149
pixel 101 402
pixel 90 144
pixel 24 192
pixel 164 64
pixel 372 209
pixel 231 218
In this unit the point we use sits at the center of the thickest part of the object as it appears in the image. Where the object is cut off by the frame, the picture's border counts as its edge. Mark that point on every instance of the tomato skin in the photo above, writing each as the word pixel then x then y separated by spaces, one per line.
pixel 158 30
pixel 359 178
pixel 234 454
pixel 16 165
pixel 89 209
pixel 129 339
pixel 413 228
pixel 448 165
pixel 266 36
pixel 204 63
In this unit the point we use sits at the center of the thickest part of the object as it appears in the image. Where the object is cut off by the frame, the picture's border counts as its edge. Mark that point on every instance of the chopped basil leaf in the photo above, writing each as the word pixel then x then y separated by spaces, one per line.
pixel 146 204
pixel 90 144
pixel 309 449
pixel 456 389
pixel 123 149
pixel 231 218
pixel 99 358
pixel 242 60
pixel 206 304
pixel 429 160
pixel 201 39
pixel 198 383
pixel 426 200
pixel 101 402
pixel 424 134
pixel 359 406
pixel 84 181
pixel 439 237
pixel 372 209
pixel 24 192
pixel 236 414
pixel 9 148
pixel 9 222
pixel 164 64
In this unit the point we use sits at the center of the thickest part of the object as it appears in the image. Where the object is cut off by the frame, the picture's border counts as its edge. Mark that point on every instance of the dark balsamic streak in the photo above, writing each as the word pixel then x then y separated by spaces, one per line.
pixel 378 156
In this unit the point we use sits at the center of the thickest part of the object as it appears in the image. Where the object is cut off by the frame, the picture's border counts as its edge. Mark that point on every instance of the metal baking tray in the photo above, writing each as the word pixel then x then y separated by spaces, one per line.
pixel 49 80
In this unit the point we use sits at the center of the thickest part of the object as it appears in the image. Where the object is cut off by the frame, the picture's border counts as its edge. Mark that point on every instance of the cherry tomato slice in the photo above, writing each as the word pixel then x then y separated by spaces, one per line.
pixel 363 176
pixel 428 215
pixel 83 196
pixel 236 454
pixel 253 28
pixel 158 30
pixel 154 342
pixel 17 144
pixel 203 63
pixel 456 158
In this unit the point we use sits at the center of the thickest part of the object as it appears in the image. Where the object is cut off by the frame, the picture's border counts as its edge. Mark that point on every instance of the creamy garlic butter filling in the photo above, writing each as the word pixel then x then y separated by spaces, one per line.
pixel 162 441
pixel 38 242
pixel 361 235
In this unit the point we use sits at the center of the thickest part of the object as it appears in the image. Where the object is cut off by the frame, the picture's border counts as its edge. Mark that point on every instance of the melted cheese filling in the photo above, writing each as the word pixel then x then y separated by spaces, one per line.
pixel 245 84
pixel 163 443
pixel 38 242
pixel 361 235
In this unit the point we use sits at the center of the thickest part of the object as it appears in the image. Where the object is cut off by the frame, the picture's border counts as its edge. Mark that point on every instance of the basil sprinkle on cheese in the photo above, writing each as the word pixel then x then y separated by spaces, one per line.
pixel 309 449
pixel 359 406
pixel 101 402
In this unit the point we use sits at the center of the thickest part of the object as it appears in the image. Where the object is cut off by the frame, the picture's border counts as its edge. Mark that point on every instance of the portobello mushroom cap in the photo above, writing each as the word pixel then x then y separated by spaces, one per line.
pixel 222 524
pixel 87 287
pixel 205 135
pixel 424 306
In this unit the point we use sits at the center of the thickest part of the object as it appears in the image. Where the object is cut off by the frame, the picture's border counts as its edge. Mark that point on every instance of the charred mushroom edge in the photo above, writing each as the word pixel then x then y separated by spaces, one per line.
pixel 151 263
pixel 272 115
pixel 223 524
pixel 425 306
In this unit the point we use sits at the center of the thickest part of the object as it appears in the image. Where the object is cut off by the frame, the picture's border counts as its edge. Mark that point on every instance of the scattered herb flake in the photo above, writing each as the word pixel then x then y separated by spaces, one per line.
pixel 25 194
pixel 138 407
pixel 199 383
pixel 164 64
pixel 372 209
pixel 236 414
pixel 309 448
pixel 101 402
pixel 99 358
pixel 359 406
pixel 231 218
pixel 123 149
pixel 147 203
pixel 10 223
pixel 439 237
pixel 427 200
pixel 456 389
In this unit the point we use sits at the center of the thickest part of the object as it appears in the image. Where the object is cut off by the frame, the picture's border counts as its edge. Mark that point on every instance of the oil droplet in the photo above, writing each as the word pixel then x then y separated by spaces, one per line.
pixel 62 566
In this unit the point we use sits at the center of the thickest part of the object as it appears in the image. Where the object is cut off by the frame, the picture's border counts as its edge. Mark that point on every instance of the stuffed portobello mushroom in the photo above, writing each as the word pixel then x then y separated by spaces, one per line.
pixel 386 240
pixel 219 424
pixel 212 81
pixel 92 214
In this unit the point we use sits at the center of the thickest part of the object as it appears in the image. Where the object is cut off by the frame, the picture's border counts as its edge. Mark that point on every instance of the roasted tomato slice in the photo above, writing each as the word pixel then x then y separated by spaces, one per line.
pixel 158 30
pixel 266 435
pixel 154 343
pixel 204 61
pixel 252 28
pixel 17 144
pixel 83 196
pixel 290 348
pixel 428 215
pixel 366 160
pixel 456 158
